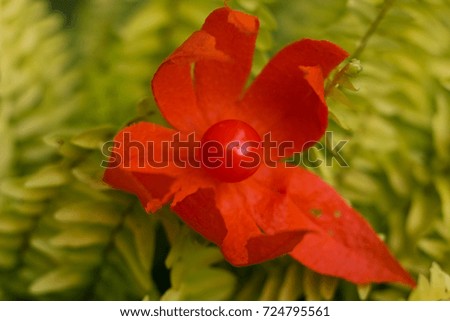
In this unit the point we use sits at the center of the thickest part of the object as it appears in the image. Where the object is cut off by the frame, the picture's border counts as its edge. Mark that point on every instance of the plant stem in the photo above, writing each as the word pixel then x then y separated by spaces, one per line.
pixel 361 46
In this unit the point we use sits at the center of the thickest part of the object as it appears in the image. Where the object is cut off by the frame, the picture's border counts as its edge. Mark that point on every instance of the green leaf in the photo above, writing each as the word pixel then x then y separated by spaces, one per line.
pixel 49 176
pixel 142 227
pixel 192 275
pixel 90 172
pixel 42 249
pixel 399 177
pixel 6 141
pixel 29 209
pixel 271 286
pixel 291 288
pixel 151 16
pixel 327 287
pixel 337 95
pixel 435 248
pixel 58 280
pixel 94 138
pixel 268 21
pixel 311 285
pixel 443 187
pixel 250 5
pixel 441 130
pixel 437 287
pixel 211 284
pixel 124 246
pixel 81 237
pixel 364 291
pixel 89 212
pixel 421 214
pixel 16 189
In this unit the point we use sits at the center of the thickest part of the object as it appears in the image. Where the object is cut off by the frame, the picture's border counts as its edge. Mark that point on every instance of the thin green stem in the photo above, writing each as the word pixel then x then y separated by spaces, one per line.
pixel 361 46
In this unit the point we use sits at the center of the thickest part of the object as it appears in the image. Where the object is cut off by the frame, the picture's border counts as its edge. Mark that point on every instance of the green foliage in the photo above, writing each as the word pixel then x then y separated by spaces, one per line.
pixel 66 91
pixel 67 236
pixel 32 102
pixel 192 274
pixel 436 288
pixel 286 279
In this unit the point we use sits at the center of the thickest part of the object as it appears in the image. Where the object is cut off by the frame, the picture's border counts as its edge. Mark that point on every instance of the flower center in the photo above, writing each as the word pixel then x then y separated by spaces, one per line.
pixel 230 150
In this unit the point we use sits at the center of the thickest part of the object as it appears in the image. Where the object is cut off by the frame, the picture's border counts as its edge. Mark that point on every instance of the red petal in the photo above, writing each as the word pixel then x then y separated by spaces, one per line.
pixel 199 211
pixel 133 167
pixel 220 84
pixel 126 181
pixel 342 243
pixel 221 54
pixel 287 98
pixel 224 216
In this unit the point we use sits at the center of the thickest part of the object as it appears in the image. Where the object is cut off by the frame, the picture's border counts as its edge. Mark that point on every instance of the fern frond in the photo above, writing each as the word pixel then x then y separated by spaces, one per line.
pixel 100 248
pixel 437 287
pixel 34 99
pixel 195 273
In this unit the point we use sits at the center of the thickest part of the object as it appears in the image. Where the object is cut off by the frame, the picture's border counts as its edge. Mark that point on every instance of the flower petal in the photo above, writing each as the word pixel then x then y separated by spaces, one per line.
pixel 198 84
pixel 341 243
pixel 142 163
pixel 220 84
pixel 223 216
pixel 124 180
pixel 287 98
pixel 199 211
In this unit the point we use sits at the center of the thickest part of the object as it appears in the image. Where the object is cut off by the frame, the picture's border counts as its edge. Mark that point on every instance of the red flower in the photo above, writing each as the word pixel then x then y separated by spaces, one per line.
pixel 257 212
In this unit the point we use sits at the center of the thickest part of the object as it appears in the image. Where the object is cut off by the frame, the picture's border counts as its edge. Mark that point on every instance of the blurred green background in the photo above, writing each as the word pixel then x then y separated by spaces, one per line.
pixel 74 72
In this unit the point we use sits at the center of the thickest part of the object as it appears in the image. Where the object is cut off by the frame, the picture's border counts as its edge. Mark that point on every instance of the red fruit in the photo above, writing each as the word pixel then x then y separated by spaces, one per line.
pixel 230 150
